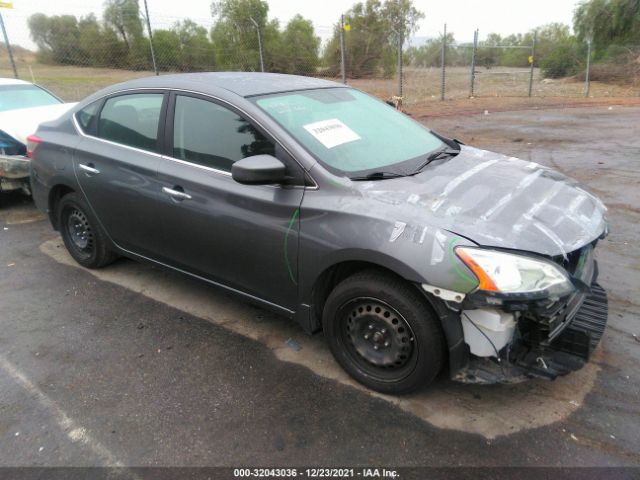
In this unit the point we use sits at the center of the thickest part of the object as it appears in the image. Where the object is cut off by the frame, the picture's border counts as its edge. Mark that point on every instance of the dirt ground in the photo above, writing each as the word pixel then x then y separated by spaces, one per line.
pixel 131 365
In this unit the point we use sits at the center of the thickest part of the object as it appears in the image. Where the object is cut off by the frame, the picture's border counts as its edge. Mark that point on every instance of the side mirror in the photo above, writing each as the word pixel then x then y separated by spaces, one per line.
pixel 258 170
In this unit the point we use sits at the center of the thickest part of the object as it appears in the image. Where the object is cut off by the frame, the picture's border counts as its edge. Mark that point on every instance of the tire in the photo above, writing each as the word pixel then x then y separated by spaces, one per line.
pixel 83 236
pixel 383 332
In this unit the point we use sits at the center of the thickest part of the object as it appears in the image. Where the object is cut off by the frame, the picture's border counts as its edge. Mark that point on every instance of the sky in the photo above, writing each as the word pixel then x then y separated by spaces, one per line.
pixel 461 16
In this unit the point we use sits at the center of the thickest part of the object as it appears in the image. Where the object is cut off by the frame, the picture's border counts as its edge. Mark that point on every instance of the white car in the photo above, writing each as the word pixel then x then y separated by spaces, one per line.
pixel 23 106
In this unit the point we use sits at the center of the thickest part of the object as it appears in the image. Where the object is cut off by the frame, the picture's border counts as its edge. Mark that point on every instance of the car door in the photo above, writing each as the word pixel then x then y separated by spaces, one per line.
pixel 242 236
pixel 115 165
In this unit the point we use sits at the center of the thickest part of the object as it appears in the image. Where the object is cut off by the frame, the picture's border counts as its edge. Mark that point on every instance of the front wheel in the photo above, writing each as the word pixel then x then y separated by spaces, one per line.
pixel 383 333
pixel 82 235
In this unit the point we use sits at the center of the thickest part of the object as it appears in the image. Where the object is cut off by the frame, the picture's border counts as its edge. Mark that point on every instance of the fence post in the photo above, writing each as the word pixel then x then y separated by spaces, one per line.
pixel 533 60
pixel 587 83
pixel 343 72
pixel 443 61
pixel 400 42
pixel 153 53
pixel 259 43
pixel 473 63
pixel 8 45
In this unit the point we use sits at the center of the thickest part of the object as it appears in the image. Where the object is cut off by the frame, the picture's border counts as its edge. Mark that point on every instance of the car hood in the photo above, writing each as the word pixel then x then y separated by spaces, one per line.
pixel 23 122
pixel 493 200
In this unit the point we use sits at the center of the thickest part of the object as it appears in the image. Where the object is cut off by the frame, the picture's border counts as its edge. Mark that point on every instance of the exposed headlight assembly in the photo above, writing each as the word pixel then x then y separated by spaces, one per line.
pixel 508 273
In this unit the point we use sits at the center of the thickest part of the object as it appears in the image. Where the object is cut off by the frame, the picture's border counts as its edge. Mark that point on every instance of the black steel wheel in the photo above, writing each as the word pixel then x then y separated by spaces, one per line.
pixel 78 229
pixel 377 337
pixel 383 333
pixel 82 234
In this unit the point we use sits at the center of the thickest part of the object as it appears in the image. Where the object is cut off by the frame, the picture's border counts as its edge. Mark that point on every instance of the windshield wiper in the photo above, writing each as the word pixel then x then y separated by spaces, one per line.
pixel 435 156
pixel 378 176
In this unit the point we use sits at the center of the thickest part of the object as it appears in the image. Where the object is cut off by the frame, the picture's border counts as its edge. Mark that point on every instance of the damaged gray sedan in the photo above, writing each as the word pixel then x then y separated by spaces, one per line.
pixel 412 252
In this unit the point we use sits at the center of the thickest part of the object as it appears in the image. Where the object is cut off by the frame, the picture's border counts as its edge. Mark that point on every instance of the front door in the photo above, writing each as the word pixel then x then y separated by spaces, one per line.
pixel 242 236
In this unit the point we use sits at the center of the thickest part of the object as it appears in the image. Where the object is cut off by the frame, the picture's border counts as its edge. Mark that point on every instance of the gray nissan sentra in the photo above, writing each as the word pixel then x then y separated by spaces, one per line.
pixel 412 252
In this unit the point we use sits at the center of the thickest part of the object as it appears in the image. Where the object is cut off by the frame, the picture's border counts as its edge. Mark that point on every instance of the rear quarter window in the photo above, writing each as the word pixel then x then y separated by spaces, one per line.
pixel 86 118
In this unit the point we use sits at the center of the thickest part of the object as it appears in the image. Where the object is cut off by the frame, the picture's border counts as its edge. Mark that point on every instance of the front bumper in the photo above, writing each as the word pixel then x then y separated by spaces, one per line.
pixel 569 350
pixel 553 336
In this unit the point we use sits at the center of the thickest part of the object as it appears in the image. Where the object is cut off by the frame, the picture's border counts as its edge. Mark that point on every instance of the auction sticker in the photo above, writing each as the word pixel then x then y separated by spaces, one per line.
pixel 331 133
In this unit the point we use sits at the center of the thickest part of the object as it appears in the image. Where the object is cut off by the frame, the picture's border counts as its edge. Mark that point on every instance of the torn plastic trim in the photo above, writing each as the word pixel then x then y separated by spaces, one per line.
pixel 443 293
pixel 521 360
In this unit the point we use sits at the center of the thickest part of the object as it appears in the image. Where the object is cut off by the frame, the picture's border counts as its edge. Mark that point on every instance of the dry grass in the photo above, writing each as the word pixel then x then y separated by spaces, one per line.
pixel 419 86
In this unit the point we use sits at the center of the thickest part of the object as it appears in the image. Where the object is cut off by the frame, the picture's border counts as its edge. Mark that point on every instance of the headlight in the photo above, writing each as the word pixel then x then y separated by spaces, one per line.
pixel 508 273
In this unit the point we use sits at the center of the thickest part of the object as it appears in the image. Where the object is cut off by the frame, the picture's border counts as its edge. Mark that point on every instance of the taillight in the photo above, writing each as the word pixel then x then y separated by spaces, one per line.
pixel 32 142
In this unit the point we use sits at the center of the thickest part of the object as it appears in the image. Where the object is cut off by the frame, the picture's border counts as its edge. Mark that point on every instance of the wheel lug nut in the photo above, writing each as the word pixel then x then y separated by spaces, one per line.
pixel 371 326
pixel 383 331
pixel 366 336
pixel 387 343
pixel 375 347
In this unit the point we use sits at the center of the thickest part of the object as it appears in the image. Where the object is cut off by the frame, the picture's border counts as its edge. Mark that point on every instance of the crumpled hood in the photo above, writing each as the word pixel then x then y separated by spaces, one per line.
pixel 494 200
pixel 23 122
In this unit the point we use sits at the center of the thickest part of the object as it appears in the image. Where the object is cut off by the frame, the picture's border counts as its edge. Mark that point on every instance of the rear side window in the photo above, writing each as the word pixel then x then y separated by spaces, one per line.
pixel 132 120
pixel 214 136
pixel 86 118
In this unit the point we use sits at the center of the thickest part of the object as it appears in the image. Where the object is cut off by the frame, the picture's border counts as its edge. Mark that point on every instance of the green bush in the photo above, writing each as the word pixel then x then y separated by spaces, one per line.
pixel 562 61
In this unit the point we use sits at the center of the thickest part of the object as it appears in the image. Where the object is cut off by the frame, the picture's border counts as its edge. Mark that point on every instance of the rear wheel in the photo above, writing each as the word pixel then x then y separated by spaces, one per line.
pixel 383 333
pixel 82 235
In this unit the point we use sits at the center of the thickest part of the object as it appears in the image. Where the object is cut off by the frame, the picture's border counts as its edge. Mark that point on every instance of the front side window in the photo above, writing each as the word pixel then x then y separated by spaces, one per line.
pixel 132 120
pixel 214 136
pixel 13 97
pixel 349 131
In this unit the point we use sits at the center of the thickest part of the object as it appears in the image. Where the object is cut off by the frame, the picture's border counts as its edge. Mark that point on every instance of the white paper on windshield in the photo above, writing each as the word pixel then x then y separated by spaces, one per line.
pixel 331 133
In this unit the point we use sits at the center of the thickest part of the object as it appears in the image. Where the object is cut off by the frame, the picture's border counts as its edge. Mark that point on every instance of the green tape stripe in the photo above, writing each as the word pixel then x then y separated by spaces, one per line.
pixel 452 259
pixel 286 241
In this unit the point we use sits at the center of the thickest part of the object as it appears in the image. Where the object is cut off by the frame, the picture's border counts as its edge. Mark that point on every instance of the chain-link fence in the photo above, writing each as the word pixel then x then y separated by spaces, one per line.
pixel 91 53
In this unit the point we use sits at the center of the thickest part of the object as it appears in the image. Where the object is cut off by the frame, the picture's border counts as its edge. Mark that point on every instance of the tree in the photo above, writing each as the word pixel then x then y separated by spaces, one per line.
pixel 401 16
pixel 430 54
pixel 124 17
pixel 196 53
pixel 607 22
pixel 99 46
pixel 167 49
pixel 300 45
pixel 57 37
pixel 235 33
pixel 488 54
pixel 372 41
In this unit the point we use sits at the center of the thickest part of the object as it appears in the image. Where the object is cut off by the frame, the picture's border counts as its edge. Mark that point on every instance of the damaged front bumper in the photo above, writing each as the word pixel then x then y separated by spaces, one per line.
pixel 531 356
pixel 14 173
pixel 539 338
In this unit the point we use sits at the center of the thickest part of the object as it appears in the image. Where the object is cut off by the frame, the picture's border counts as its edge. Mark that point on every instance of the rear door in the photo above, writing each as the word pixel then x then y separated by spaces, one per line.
pixel 243 236
pixel 116 166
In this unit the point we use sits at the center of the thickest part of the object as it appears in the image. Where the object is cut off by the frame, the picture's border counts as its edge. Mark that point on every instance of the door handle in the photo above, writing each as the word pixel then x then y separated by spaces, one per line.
pixel 90 169
pixel 176 194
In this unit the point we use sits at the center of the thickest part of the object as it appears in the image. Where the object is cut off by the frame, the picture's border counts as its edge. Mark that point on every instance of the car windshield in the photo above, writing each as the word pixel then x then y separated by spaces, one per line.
pixel 13 97
pixel 349 131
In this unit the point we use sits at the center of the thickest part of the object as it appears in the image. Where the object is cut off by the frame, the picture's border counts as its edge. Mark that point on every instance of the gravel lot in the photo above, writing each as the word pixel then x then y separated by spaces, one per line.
pixel 135 366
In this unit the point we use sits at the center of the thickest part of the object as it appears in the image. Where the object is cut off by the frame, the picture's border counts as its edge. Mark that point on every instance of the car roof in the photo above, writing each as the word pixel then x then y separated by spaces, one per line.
pixel 13 81
pixel 245 84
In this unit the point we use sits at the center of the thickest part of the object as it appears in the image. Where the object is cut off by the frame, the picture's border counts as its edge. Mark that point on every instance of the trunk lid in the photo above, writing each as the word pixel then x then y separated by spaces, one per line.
pixel 21 123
